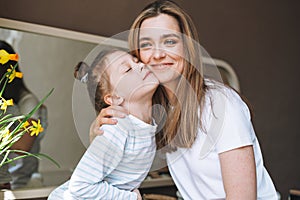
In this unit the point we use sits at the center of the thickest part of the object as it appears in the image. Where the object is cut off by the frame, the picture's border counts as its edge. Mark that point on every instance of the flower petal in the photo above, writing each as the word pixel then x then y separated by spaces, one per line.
pixel 5 57
pixel 14 57
pixel 19 74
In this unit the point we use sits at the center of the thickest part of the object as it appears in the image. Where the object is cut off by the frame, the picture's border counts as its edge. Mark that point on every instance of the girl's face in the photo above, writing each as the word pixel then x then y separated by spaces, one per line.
pixel 128 79
pixel 161 47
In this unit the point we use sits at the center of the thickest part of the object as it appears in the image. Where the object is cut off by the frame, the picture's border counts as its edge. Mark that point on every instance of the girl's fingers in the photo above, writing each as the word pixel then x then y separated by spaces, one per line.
pixel 102 121
pixel 113 111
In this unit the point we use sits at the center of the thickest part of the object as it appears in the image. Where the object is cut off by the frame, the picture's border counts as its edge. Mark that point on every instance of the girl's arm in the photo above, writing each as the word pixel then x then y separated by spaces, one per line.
pixel 101 158
pixel 239 173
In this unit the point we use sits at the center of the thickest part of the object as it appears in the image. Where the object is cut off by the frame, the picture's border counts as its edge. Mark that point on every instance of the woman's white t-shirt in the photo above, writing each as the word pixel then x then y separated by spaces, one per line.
pixel 227 122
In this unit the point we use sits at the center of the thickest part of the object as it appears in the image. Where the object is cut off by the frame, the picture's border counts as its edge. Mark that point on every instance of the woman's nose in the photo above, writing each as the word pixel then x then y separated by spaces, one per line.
pixel 159 53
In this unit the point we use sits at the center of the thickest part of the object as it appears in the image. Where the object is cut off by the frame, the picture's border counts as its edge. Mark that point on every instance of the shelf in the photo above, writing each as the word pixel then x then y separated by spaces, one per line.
pixel 157 182
pixel 31 193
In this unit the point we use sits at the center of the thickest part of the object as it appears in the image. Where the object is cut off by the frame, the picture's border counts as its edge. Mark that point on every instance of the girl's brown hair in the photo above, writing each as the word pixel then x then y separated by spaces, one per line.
pixel 96 78
pixel 182 119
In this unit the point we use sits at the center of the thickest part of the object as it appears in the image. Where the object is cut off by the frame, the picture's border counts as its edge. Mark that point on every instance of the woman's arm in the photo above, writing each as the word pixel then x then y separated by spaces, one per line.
pixel 106 116
pixel 239 173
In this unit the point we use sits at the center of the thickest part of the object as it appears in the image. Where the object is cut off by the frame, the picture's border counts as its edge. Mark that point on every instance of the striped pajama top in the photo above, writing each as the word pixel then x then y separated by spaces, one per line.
pixel 114 164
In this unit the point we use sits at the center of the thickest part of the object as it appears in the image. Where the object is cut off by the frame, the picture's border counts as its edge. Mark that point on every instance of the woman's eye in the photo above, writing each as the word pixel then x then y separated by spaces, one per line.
pixel 128 69
pixel 170 42
pixel 145 45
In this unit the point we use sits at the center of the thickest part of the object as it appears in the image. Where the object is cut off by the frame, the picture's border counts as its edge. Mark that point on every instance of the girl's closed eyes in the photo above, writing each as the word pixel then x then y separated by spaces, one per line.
pixel 128 69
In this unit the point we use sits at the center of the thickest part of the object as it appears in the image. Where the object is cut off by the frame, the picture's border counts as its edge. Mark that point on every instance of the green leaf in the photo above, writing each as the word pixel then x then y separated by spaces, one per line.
pixel 6 122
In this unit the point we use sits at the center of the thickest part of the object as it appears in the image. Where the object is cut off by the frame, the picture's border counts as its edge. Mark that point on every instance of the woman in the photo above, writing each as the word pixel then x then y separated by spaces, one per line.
pixel 212 150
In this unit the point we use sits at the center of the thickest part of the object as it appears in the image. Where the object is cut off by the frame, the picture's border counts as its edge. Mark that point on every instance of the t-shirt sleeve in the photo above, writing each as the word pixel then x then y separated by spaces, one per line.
pixel 100 159
pixel 237 130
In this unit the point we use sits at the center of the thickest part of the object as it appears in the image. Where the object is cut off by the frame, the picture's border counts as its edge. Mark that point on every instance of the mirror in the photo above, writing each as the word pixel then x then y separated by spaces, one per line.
pixel 47 59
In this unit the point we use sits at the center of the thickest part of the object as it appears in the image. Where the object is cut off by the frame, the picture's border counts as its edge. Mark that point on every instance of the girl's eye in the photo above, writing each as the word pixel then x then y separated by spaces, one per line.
pixel 128 69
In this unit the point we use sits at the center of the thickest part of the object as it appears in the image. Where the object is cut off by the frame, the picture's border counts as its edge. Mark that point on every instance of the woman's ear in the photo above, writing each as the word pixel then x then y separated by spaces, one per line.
pixel 113 99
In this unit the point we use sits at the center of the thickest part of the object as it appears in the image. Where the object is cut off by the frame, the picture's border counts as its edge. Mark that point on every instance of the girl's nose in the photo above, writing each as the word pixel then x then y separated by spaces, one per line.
pixel 140 66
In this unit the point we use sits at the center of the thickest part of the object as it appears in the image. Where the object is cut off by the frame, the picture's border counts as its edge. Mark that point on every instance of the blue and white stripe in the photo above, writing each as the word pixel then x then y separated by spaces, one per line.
pixel 114 164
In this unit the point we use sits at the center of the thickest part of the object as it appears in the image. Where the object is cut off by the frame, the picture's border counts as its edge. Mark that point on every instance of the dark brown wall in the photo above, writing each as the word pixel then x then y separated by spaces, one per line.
pixel 260 39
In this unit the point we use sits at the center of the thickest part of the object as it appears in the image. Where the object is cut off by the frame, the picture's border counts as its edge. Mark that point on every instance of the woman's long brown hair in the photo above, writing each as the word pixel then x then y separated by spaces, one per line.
pixel 183 118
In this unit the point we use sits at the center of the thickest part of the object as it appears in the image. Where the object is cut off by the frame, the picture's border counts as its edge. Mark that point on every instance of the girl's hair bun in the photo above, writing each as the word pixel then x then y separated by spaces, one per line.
pixel 81 71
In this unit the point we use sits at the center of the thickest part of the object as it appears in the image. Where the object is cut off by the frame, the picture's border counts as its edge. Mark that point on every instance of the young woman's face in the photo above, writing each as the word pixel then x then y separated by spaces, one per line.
pixel 161 47
pixel 129 79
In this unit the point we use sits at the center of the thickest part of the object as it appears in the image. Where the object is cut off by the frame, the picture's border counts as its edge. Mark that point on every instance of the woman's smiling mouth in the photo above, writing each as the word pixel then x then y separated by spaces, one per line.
pixel 161 65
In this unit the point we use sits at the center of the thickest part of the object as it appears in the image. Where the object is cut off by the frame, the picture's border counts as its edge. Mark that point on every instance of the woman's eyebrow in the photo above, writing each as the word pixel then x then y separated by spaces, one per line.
pixel 144 39
pixel 170 35
pixel 163 36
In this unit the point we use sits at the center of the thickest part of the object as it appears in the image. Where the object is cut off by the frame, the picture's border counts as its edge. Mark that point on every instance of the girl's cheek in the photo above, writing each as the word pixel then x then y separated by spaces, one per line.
pixel 145 58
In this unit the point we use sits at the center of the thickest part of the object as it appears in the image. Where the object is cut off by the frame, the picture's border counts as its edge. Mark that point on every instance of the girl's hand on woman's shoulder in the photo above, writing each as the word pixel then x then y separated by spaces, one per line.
pixel 106 116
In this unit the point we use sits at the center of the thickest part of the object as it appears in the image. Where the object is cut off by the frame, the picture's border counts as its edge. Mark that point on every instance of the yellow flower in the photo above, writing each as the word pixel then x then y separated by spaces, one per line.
pixel 36 128
pixel 6 135
pixel 25 124
pixel 13 74
pixel 5 57
pixel 4 103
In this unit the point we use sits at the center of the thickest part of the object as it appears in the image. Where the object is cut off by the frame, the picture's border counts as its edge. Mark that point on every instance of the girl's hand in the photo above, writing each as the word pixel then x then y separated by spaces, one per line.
pixel 106 116
pixel 139 197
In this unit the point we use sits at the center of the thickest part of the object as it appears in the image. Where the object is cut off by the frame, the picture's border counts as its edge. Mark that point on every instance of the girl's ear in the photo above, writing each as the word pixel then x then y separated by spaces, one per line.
pixel 113 99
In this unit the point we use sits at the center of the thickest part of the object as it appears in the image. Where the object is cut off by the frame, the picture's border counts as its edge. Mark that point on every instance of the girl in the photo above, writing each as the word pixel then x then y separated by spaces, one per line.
pixel 116 162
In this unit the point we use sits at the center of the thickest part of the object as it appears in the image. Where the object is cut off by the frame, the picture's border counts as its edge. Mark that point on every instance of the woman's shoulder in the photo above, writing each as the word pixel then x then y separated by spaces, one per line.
pixel 223 95
pixel 215 88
